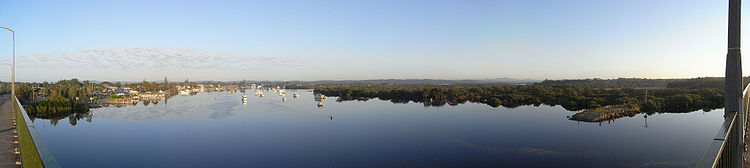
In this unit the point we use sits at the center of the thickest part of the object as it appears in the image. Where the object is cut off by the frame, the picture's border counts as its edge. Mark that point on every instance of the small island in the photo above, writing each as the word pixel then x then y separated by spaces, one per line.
pixel 606 113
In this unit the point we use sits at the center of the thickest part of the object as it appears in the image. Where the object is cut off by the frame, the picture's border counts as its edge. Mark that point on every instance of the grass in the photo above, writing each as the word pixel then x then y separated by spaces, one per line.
pixel 29 154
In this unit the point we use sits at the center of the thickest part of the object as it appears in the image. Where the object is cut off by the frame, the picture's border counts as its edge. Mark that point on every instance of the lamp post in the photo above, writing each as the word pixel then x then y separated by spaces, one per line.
pixel 13 71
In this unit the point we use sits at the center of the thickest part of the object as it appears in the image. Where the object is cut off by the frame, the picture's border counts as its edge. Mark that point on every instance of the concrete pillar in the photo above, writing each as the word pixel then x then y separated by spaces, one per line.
pixel 733 79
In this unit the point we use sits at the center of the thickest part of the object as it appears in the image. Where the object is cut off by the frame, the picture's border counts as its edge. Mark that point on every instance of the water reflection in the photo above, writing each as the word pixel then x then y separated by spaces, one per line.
pixel 205 105
pixel 216 105
pixel 72 118
pixel 269 132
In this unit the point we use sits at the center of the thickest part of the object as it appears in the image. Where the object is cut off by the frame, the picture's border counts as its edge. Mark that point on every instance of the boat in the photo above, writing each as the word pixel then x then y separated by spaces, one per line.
pixel 296 95
pixel 319 97
pixel 320 105
pixel 244 99
pixel 283 99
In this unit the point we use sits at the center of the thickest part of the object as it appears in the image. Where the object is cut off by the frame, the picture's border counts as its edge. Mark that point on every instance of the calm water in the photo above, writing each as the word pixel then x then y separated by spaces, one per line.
pixel 217 130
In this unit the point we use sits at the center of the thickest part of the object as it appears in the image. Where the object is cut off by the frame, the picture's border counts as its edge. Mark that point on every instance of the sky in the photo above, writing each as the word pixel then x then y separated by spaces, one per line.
pixel 364 39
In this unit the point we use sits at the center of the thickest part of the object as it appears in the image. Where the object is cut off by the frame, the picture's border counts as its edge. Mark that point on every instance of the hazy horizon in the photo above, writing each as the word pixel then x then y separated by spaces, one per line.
pixel 500 79
pixel 346 40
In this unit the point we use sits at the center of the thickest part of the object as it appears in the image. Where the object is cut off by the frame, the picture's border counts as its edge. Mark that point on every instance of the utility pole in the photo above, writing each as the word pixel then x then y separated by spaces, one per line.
pixel 733 79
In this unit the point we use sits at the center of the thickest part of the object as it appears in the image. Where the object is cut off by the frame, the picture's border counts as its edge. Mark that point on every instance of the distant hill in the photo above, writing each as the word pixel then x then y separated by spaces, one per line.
pixel 692 83
pixel 514 81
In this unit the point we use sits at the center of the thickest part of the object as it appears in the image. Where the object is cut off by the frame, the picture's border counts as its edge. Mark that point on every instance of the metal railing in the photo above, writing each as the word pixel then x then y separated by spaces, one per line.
pixel 47 159
pixel 723 146
pixel 726 149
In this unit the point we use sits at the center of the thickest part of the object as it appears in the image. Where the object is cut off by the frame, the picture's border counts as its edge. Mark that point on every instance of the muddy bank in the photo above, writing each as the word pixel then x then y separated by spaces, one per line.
pixel 606 113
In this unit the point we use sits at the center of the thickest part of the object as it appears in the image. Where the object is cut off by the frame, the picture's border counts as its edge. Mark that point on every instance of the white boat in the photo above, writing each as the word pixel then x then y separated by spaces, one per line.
pixel 244 98
pixel 296 95
pixel 283 99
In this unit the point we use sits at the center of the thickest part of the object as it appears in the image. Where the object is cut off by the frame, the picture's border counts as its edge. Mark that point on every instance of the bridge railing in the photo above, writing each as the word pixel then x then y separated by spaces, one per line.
pixel 726 149
pixel 723 146
pixel 34 152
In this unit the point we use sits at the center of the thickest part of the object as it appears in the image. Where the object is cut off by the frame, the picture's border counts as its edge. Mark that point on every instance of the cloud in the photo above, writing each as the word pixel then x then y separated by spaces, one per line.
pixel 97 63
pixel 526 151
pixel 149 58
pixel 682 163
pixel 540 152
pixel 462 142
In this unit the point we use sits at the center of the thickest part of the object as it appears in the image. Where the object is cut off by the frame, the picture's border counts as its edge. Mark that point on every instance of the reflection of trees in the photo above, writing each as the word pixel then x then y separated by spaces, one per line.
pixel 187 107
pixel 55 107
pixel 72 118
pixel 568 96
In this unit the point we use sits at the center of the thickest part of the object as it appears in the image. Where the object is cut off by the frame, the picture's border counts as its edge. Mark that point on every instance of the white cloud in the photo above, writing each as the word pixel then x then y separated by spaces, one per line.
pixel 137 63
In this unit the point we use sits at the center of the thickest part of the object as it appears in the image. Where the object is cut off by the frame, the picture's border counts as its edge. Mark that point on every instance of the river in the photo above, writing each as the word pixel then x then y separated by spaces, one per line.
pixel 215 129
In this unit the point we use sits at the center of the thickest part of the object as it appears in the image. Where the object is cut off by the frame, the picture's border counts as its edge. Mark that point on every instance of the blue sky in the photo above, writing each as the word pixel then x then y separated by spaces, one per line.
pixel 358 39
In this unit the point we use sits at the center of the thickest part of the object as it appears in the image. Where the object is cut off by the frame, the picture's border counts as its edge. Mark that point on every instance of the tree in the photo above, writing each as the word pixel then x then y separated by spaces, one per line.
pixel 25 93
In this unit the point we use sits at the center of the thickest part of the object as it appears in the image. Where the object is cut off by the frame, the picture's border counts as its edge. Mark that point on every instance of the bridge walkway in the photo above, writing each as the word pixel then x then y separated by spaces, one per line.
pixel 7 156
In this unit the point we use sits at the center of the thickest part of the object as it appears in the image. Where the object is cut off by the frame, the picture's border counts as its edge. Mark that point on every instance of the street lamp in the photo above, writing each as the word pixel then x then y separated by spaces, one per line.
pixel 13 71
